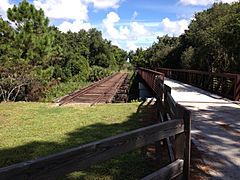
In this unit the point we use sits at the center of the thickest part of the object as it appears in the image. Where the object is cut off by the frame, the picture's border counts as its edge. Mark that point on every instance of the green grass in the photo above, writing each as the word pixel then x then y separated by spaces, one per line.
pixel 32 130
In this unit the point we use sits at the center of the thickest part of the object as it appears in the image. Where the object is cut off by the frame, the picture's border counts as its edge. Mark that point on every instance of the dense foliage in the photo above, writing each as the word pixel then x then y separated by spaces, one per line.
pixel 211 43
pixel 35 57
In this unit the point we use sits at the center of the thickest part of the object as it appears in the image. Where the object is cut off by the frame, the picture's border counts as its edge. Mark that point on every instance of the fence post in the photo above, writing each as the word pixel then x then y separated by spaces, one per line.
pixel 160 145
pixel 187 149
pixel 167 89
pixel 237 88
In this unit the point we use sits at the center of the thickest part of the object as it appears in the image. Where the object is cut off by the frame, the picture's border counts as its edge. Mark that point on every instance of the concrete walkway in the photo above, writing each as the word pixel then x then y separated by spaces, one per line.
pixel 215 129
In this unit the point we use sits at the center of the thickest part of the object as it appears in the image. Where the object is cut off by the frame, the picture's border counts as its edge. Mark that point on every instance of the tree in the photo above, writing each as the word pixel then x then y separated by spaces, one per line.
pixel 9 54
pixel 100 50
pixel 47 56
pixel 214 35
pixel 229 36
pixel 33 36
pixel 137 58
pixel 120 56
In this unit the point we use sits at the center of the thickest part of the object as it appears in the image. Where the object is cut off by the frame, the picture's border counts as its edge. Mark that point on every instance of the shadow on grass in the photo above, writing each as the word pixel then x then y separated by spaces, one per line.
pixel 132 165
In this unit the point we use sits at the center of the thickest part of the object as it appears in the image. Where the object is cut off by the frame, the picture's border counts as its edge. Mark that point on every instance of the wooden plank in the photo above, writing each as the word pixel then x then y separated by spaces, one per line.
pixel 170 150
pixel 179 111
pixel 237 88
pixel 178 146
pixel 169 172
pixel 167 89
pixel 187 148
pixel 86 155
pixel 169 144
pixel 171 104
pixel 167 108
pixel 159 144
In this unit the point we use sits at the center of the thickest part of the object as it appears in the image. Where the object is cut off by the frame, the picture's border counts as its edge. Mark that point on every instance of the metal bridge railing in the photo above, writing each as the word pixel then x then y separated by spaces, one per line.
pixel 224 84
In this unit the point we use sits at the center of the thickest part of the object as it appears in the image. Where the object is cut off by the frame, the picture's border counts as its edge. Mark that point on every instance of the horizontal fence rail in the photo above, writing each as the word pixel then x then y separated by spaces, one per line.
pixel 169 172
pixel 224 84
pixel 84 156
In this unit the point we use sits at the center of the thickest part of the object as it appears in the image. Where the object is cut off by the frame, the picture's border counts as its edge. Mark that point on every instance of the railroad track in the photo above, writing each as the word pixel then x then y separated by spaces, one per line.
pixel 101 91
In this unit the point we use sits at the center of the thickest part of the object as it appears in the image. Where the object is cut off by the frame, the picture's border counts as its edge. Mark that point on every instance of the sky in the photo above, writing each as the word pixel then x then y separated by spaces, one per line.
pixel 128 24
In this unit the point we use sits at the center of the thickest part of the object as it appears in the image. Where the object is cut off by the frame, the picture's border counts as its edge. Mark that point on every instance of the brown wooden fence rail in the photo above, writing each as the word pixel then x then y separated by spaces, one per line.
pixel 224 84
pixel 175 132
pixel 178 146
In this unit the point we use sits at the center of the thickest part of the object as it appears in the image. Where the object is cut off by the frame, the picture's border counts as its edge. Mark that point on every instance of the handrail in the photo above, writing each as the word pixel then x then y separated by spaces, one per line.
pixel 224 84
pixel 197 71
pixel 153 78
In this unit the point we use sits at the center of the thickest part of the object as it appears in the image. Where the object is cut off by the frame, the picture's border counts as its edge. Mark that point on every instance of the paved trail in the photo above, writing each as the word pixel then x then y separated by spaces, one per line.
pixel 215 129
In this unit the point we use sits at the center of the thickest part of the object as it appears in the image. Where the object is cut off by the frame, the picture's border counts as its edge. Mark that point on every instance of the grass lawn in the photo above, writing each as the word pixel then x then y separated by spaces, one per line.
pixel 32 130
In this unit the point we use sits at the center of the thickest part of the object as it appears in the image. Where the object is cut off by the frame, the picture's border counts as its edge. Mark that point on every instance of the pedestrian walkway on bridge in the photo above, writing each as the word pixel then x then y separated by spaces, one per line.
pixel 215 128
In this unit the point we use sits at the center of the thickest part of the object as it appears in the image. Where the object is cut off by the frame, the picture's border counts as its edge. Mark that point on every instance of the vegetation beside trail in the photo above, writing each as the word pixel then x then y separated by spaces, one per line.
pixel 31 130
pixel 35 57
pixel 62 89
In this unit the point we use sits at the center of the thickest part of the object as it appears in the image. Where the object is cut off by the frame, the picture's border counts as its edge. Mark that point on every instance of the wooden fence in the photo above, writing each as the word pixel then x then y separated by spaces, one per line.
pixel 224 84
pixel 179 145
pixel 173 127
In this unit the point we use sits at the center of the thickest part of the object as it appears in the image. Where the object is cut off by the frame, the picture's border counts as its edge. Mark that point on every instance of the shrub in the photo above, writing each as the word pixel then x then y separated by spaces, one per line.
pixel 16 84
pixel 78 66
pixel 97 73
pixel 62 89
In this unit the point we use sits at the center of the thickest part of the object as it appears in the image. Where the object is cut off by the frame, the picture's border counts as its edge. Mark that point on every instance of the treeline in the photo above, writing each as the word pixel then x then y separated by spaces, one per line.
pixel 211 43
pixel 35 56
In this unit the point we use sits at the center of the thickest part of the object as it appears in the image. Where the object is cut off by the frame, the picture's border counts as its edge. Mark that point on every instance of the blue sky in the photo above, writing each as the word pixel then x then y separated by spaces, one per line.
pixel 127 23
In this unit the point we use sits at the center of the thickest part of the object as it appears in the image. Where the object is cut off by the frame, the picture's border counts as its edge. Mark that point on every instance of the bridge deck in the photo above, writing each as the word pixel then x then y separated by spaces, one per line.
pixel 215 128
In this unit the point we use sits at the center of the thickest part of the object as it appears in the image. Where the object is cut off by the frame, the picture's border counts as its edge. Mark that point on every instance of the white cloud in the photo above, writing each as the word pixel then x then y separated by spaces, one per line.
pixel 111 18
pixel 131 45
pixel 105 4
pixel 228 1
pixel 4 5
pixel 74 27
pixel 131 31
pixel 76 11
pixel 128 35
pixel 174 28
pixel 131 35
pixel 116 43
pixel 135 14
pixel 124 31
pixel 138 29
pixel 63 9
pixel 196 2
pixel 204 2
pixel 109 26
